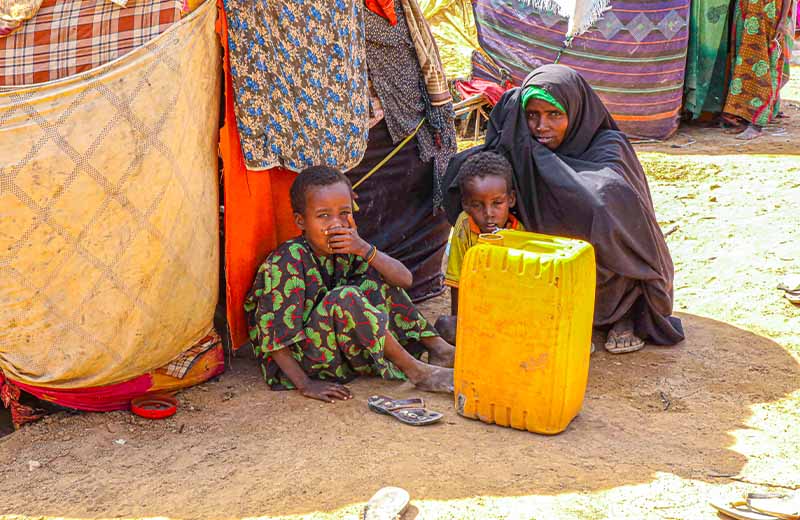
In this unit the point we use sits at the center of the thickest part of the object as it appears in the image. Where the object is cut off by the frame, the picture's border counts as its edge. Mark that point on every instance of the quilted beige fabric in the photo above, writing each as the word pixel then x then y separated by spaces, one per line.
pixel 108 213
pixel 13 13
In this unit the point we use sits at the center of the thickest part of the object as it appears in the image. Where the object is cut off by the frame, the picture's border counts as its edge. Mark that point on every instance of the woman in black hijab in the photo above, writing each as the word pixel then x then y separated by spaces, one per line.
pixel 576 175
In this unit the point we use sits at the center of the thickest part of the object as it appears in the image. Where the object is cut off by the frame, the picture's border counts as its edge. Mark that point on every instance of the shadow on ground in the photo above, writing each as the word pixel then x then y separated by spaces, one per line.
pixel 236 449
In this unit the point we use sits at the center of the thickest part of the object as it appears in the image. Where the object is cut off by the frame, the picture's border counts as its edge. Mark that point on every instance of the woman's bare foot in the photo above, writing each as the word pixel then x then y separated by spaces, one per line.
pixel 431 378
pixel 621 338
pixel 731 124
pixel 440 352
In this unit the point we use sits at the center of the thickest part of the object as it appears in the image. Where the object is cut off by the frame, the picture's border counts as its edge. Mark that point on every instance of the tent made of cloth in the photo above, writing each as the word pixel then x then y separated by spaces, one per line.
pixel 634 56
pixel 108 226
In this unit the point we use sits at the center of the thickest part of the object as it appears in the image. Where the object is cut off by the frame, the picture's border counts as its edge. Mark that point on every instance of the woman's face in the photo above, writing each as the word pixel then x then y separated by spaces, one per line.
pixel 547 124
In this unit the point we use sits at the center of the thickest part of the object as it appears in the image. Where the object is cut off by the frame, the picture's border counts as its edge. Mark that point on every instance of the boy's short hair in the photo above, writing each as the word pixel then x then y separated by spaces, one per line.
pixel 311 177
pixel 485 164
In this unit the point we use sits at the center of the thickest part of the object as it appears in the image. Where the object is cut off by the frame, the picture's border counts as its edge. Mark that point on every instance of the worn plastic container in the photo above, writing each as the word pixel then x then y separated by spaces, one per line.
pixel 525 308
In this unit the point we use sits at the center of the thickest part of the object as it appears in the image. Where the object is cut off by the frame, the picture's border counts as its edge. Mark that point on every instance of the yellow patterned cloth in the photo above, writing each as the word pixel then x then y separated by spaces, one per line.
pixel 427 54
pixel 13 13
pixel 453 25
pixel 108 213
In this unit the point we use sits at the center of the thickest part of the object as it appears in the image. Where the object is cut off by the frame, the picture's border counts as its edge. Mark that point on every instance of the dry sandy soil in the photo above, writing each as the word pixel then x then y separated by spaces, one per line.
pixel 662 432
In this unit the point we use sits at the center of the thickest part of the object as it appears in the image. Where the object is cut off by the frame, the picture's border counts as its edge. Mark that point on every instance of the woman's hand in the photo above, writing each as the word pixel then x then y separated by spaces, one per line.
pixel 325 391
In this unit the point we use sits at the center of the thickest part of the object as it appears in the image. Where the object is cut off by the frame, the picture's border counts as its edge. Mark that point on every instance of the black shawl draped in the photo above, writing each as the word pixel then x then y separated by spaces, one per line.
pixel 592 188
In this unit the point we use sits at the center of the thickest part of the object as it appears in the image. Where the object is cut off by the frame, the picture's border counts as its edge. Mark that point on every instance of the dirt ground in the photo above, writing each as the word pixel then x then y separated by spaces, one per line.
pixel 662 432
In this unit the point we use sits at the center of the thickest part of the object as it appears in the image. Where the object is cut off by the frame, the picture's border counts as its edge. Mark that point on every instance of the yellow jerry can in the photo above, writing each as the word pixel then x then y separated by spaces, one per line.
pixel 525 309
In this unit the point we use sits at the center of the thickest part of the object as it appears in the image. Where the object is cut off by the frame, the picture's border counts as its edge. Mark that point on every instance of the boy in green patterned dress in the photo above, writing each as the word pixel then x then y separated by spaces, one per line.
pixel 327 306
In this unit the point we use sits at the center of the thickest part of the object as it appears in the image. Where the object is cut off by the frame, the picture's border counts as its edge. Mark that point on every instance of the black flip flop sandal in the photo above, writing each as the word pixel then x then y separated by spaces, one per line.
pixel 417 416
pixel 387 405
pixel 407 411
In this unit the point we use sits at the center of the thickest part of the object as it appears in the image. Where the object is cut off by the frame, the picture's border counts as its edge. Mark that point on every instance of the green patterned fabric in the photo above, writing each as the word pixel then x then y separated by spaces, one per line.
pixel 760 65
pixel 704 89
pixel 534 92
pixel 332 312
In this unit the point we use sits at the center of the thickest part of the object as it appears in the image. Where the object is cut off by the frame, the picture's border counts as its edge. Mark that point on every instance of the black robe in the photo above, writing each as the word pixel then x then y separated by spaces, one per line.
pixel 592 188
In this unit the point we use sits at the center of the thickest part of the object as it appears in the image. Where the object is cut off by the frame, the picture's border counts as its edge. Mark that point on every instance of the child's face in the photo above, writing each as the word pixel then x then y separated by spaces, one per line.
pixel 327 208
pixel 487 200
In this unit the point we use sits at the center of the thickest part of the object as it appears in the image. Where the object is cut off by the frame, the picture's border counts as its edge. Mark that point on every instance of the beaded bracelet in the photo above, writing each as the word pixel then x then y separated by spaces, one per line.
pixel 373 252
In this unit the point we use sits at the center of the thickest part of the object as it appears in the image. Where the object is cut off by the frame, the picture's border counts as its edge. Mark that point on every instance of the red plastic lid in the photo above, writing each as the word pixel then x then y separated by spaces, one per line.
pixel 155 406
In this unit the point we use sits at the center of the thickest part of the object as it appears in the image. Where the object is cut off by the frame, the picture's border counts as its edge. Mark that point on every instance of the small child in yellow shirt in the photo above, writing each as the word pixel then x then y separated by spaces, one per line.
pixel 487 196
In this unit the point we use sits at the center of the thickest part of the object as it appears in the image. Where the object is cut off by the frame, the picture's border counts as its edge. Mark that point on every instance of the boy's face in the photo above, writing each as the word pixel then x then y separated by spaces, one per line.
pixel 327 208
pixel 487 200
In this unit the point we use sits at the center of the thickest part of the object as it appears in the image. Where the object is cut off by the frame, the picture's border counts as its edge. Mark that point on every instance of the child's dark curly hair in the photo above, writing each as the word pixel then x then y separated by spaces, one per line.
pixel 311 177
pixel 485 164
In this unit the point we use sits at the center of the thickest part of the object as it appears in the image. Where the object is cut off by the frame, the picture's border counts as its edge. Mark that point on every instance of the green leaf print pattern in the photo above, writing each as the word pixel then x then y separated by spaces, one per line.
pixel 314 337
pixel 288 316
pixel 292 284
pixel 274 277
pixel 335 336
pixel 296 250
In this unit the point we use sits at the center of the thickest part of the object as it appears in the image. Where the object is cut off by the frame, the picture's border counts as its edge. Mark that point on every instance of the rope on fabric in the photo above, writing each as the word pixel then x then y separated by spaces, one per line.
pixel 564 46
pixel 387 158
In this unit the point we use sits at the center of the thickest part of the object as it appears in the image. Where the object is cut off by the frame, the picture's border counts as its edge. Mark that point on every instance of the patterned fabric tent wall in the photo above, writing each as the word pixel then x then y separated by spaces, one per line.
pixel 634 57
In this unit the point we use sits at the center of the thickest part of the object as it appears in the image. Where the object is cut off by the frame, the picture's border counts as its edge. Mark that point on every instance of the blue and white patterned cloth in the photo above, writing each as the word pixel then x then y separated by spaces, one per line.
pixel 300 81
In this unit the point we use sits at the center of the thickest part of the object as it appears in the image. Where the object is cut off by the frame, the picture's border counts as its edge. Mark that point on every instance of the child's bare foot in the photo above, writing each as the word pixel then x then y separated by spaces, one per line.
pixel 432 379
pixel 440 352
pixel 598 338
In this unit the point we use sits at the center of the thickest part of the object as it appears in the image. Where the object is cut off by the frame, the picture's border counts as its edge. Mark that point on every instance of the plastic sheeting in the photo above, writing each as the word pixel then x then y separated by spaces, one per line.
pixel 108 213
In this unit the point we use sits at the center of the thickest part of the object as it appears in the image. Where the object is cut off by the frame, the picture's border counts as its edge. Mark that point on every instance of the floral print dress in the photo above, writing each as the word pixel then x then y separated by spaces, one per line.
pixel 332 312
pixel 760 60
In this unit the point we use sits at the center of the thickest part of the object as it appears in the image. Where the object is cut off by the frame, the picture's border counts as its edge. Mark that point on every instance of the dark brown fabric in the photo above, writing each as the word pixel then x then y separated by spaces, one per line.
pixel 395 210
pixel 592 188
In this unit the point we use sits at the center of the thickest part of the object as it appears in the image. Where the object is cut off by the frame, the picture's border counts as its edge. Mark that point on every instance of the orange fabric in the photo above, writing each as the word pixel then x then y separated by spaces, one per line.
pixel 384 8
pixel 211 363
pixel 649 117
pixel 258 213
pixel 9 397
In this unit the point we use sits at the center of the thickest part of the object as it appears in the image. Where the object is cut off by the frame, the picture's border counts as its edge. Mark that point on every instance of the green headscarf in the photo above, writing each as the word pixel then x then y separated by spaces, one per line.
pixel 534 92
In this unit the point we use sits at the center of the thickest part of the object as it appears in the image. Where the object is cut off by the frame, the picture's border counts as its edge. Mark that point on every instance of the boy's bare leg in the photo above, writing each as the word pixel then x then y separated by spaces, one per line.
pixel 440 352
pixel 425 377
pixel 446 327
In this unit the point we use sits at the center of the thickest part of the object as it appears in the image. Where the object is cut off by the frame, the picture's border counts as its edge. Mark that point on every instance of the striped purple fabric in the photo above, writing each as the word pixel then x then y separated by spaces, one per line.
pixel 634 57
